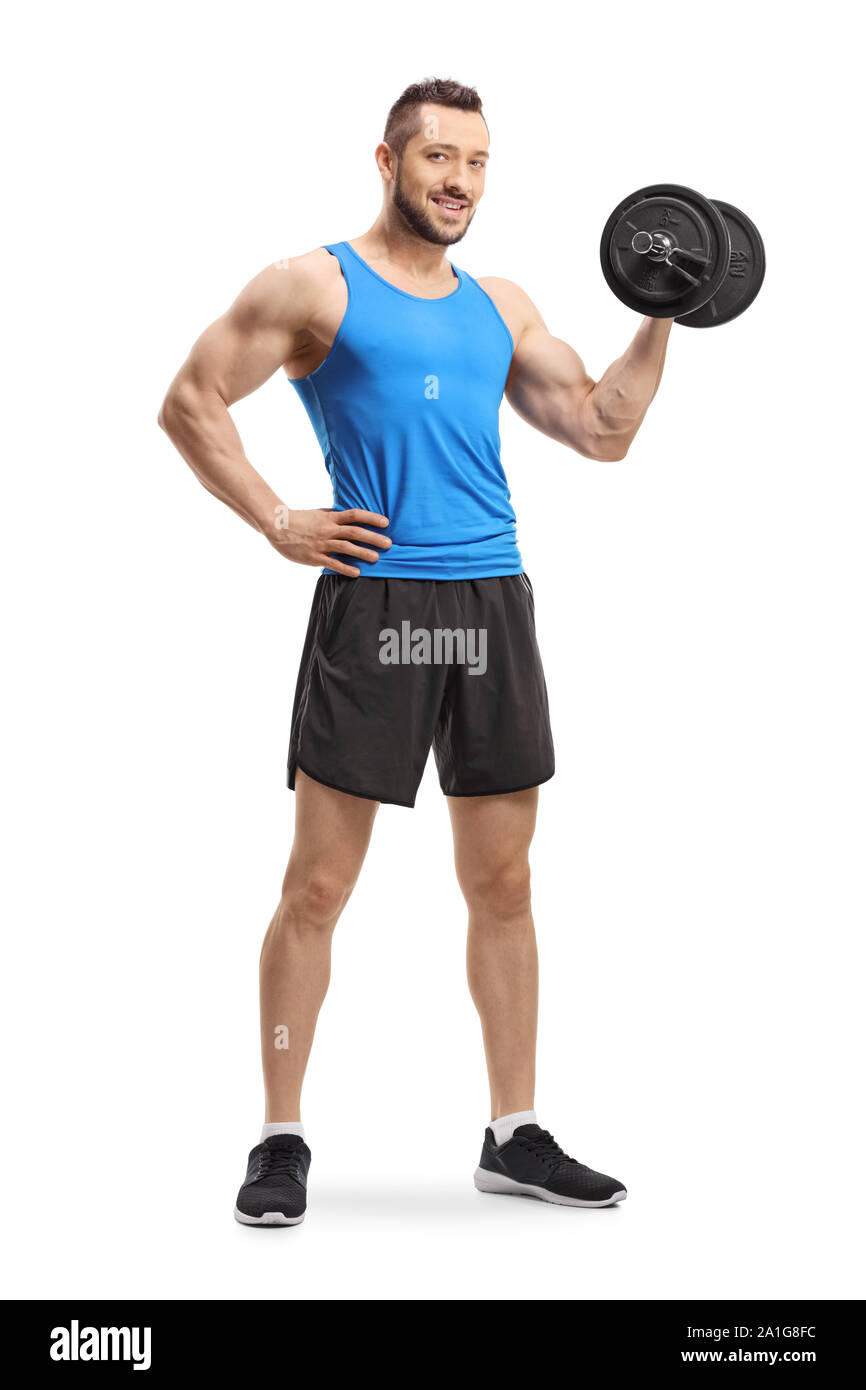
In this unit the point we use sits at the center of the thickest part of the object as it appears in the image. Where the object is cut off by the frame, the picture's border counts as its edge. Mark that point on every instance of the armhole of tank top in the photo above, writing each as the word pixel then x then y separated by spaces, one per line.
pixel 505 327
pixel 311 376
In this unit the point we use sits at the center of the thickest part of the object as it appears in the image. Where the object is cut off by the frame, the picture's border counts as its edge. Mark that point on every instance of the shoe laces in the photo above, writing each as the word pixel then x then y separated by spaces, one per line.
pixel 545 1147
pixel 278 1161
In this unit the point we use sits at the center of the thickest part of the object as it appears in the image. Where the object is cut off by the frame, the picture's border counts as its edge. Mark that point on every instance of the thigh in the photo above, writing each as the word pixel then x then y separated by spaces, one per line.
pixel 492 835
pixel 332 830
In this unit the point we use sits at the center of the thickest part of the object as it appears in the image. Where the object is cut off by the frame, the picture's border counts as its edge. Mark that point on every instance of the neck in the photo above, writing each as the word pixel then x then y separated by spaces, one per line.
pixel 398 246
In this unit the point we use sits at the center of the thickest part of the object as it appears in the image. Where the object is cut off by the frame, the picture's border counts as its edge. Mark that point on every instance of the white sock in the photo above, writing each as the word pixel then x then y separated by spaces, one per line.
pixel 283 1127
pixel 504 1127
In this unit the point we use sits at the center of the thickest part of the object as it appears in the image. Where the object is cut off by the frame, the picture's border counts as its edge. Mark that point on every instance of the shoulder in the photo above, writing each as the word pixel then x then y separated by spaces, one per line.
pixel 513 303
pixel 291 288
pixel 312 269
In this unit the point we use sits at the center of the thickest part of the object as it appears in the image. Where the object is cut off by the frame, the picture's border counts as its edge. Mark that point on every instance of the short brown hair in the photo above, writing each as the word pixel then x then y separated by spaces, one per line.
pixel 402 122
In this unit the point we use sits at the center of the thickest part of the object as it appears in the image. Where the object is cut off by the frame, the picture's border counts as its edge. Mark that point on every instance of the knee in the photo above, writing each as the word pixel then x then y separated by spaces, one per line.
pixel 313 901
pixel 499 890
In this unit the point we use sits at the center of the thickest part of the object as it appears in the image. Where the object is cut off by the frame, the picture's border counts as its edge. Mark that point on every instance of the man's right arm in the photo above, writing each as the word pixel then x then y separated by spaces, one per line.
pixel 263 329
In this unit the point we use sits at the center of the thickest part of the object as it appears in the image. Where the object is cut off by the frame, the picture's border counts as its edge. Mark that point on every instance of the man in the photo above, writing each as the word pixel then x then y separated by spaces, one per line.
pixel 422 625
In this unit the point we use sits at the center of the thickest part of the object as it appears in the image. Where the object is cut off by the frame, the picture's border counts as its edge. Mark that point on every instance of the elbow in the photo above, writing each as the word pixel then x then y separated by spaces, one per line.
pixel 616 454
pixel 614 443
pixel 185 405
pixel 163 417
pixel 607 450
pixel 177 402
pixel 606 435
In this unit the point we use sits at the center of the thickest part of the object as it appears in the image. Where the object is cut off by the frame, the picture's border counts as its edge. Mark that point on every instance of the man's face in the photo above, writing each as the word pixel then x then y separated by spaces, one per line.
pixel 440 176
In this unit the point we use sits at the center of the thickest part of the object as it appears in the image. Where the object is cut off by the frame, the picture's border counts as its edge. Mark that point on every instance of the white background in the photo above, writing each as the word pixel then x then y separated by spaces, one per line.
pixel 697 868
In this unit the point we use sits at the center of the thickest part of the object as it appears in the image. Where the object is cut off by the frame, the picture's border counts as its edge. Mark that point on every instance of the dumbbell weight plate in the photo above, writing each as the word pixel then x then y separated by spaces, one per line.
pixel 698 262
pixel 745 273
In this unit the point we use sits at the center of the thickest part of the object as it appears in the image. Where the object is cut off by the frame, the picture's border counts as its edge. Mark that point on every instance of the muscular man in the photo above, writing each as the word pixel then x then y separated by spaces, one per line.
pixel 422 626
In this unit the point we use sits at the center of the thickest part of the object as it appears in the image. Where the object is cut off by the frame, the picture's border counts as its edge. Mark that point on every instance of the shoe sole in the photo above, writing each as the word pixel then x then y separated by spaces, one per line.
pixel 269 1218
pixel 486 1181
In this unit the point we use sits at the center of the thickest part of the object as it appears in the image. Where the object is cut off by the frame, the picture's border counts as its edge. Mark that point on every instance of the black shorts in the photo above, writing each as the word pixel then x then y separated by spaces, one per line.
pixel 391 666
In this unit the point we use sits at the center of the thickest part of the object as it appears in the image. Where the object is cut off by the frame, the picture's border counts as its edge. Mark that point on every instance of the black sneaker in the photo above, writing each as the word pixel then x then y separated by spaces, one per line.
pixel 274 1192
pixel 531 1164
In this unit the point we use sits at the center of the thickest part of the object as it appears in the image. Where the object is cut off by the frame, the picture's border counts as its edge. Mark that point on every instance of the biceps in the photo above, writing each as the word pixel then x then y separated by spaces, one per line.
pixel 548 385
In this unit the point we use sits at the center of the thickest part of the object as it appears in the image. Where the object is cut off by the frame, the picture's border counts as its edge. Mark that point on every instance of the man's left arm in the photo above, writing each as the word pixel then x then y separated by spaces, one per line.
pixel 550 388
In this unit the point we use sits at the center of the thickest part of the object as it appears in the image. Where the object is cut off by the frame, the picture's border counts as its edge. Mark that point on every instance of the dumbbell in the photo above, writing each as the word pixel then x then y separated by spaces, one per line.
pixel 669 252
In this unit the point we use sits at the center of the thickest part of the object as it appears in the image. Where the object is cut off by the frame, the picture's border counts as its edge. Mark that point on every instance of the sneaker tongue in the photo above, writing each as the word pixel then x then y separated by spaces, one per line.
pixel 283 1141
pixel 530 1131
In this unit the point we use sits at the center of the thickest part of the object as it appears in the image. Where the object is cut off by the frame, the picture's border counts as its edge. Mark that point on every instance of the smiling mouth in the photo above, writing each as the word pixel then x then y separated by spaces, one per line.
pixel 450 206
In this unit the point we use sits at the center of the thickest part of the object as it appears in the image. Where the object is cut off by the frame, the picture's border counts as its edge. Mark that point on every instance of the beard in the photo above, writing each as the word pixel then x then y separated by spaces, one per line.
pixel 419 220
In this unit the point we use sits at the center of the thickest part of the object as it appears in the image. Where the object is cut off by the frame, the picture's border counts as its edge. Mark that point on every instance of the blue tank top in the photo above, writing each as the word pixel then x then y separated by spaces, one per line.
pixel 406 410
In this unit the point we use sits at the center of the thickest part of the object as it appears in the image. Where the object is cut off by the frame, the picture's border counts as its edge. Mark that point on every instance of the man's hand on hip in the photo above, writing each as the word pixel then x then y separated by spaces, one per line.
pixel 313 537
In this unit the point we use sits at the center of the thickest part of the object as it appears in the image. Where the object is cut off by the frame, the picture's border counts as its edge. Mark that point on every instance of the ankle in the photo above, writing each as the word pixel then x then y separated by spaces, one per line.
pixel 503 1126
pixel 272 1127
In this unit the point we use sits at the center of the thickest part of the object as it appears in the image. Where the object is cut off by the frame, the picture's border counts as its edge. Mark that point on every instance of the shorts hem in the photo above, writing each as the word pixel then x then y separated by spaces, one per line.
pixel 504 791
pixel 351 791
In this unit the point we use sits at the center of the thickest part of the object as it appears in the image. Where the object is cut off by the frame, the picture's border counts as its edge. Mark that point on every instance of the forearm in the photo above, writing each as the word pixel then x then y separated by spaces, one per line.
pixel 619 401
pixel 199 425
